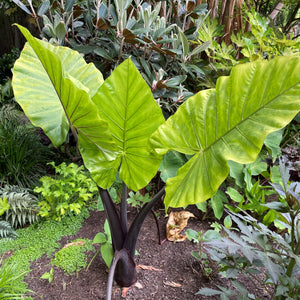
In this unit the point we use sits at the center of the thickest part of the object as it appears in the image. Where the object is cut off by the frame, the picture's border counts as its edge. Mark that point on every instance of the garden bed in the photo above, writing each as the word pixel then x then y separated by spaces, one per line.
pixel 167 271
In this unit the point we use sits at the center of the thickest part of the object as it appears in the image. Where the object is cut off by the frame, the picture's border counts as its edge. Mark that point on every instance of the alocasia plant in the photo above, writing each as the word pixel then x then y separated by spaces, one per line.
pixel 115 119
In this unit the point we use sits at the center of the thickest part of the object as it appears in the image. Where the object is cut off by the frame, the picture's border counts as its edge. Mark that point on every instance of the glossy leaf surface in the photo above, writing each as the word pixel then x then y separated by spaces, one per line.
pixel 230 122
pixel 126 103
pixel 54 86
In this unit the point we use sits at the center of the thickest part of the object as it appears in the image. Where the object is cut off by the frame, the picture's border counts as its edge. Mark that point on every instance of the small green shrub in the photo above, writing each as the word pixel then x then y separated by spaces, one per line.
pixel 67 193
pixel 72 258
pixel 106 248
pixel 23 208
pixel 137 199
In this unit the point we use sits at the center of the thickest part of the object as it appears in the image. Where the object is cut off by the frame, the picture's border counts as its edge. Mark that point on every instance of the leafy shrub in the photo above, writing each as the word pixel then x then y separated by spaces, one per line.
pixel 72 258
pixel 22 155
pixel 23 208
pixel 255 247
pixel 67 193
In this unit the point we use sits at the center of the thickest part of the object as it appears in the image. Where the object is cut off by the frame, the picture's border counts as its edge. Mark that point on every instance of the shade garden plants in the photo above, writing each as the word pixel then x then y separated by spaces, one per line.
pixel 120 129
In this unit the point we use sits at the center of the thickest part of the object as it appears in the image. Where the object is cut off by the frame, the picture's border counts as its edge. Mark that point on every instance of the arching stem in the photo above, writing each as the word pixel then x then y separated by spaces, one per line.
pixel 124 266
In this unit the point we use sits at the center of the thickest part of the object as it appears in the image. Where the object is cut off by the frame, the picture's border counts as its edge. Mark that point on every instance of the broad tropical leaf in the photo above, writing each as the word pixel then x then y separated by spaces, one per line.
pixel 54 86
pixel 230 122
pixel 126 103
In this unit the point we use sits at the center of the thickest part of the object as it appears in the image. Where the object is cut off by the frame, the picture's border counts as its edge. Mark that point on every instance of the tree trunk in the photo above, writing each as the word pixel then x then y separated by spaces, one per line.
pixel 227 19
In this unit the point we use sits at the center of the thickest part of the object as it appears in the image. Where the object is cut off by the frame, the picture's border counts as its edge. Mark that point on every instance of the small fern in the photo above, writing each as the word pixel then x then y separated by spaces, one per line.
pixel 6 231
pixel 23 206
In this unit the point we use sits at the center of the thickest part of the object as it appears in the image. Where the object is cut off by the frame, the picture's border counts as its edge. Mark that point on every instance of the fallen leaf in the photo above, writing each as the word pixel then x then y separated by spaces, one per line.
pixel 176 223
pixel 125 291
pixel 150 268
pixel 78 243
pixel 172 284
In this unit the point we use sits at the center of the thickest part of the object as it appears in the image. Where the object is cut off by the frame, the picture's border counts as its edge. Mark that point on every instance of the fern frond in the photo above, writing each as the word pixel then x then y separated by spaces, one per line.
pixel 6 231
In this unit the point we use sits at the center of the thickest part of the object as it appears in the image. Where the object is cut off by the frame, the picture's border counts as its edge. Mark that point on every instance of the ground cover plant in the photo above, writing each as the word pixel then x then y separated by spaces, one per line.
pixel 39 239
pixel 109 119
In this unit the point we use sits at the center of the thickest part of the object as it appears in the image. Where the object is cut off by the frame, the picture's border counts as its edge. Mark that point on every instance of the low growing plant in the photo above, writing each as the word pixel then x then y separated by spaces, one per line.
pixel 67 193
pixel 72 258
pixel 9 276
pixel 207 267
pixel 120 128
pixel 31 243
pixel 106 248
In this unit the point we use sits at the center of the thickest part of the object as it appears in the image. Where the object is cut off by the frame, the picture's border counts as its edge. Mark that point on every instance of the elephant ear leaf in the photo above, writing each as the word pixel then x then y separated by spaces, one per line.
pixel 230 122
pixel 126 103
pixel 54 87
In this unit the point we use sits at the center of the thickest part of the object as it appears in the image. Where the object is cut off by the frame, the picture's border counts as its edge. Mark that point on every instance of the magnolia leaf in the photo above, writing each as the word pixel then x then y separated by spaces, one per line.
pixel 230 122
pixel 126 103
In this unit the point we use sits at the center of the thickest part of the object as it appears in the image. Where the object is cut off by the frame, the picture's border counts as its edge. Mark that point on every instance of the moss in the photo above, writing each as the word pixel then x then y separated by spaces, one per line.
pixel 39 239
pixel 72 257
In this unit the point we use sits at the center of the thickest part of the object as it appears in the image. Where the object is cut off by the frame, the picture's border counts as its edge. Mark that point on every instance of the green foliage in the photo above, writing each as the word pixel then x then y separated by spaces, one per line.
pixel 214 126
pixel 247 193
pixel 23 208
pixel 207 267
pixel 255 247
pixel 9 276
pixel 109 132
pixel 6 93
pixel 106 248
pixel 39 239
pixel 68 192
pixel 6 231
pixel 137 199
pixel 48 276
pixel 225 133
pixel 72 257
pixel 7 61
pixel 22 155
pixel 4 206
pixel 262 42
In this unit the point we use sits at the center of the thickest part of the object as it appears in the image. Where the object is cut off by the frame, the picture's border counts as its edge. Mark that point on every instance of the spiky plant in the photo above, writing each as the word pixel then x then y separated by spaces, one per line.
pixel 10 286
pixel 6 231
pixel 23 206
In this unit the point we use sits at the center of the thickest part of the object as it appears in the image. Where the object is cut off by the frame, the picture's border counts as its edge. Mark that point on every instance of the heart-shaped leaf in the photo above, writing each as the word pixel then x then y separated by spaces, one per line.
pixel 54 86
pixel 230 122
pixel 126 103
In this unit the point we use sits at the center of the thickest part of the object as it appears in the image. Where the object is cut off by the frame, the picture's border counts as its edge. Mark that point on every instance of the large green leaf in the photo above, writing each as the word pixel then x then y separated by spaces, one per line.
pixel 54 86
pixel 126 103
pixel 230 122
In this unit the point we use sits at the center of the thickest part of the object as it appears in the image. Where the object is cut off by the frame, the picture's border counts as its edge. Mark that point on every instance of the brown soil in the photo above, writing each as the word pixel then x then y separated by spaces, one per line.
pixel 178 275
